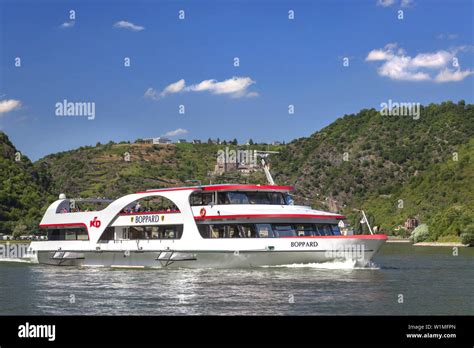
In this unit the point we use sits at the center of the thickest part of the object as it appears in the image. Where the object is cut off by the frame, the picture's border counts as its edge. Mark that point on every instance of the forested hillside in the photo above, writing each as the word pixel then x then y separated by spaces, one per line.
pixel 24 190
pixel 395 167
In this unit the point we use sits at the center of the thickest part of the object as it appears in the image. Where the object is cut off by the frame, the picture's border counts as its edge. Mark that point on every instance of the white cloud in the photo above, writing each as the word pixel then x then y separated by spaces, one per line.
pixel 397 65
pixel 69 24
pixel 8 105
pixel 128 25
pixel 173 88
pixel 151 93
pixel 379 54
pixel 432 60
pixel 173 133
pixel 449 75
pixel 406 3
pixel 236 87
pixel 385 3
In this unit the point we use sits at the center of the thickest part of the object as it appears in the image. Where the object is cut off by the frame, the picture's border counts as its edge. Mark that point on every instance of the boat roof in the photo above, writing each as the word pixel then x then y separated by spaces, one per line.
pixel 247 187
pixel 228 187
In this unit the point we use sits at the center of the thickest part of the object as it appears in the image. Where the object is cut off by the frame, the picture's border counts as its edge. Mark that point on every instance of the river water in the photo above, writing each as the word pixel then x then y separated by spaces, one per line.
pixel 404 280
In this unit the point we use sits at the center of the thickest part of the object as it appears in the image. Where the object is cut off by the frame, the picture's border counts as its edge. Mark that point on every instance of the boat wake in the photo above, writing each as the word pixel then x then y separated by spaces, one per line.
pixel 348 264
pixel 18 260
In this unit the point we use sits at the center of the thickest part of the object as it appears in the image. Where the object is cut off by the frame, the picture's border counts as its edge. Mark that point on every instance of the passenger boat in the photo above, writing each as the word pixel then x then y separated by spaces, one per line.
pixel 216 226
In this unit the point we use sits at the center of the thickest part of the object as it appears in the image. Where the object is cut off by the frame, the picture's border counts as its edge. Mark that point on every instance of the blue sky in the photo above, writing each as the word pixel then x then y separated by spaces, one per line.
pixel 282 62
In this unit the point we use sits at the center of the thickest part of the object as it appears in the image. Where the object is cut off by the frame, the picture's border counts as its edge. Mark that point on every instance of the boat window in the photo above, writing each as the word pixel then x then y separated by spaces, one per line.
pixel 306 230
pixel 151 205
pixel 247 231
pixel 222 198
pixel 155 232
pixel 283 230
pixel 137 232
pixel 335 230
pixel 125 233
pixel 238 198
pixel 251 197
pixel 237 230
pixel 227 231
pixel 264 231
pixel 214 231
pixel 258 198
pixel 324 230
pixel 204 231
pixel 108 234
pixel 199 198
pixel 76 233
pixel 276 198
pixel 288 199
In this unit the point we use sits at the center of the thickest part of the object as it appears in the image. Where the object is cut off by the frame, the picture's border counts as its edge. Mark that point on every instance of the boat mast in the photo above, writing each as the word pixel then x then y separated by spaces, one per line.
pixel 367 222
pixel 266 167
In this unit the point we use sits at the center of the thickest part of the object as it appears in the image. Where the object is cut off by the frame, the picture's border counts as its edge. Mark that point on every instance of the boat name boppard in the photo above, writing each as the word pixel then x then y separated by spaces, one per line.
pixel 304 244
pixel 147 219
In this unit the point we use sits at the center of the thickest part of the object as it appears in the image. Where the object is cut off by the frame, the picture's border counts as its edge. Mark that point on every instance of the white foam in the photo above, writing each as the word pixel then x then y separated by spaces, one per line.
pixel 7 259
pixel 348 264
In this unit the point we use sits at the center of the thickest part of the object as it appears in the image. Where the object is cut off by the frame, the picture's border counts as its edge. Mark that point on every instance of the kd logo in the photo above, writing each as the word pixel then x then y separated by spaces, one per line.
pixel 95 223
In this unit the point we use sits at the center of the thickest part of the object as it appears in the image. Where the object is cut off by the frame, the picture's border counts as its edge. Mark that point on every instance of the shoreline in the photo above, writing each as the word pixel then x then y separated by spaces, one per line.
pixel 398 240
pixel 442 244
pixel 14 241
pixel 429 244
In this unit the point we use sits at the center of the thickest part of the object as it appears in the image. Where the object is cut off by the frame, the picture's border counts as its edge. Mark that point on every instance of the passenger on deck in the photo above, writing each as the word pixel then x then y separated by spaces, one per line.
pixel 137 207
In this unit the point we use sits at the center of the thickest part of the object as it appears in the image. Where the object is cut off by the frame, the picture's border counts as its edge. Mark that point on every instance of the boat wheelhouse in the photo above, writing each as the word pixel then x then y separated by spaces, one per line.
pixel 215 226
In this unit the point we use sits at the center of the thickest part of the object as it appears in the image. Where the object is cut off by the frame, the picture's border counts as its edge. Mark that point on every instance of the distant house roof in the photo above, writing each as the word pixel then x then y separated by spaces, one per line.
pixel 161 140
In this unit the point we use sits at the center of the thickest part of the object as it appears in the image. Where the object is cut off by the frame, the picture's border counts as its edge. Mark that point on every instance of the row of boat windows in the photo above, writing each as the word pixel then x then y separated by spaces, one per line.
pixel 266 230
pixel 144 232
pixel 206 231
pixel 79 233
pixel 239 197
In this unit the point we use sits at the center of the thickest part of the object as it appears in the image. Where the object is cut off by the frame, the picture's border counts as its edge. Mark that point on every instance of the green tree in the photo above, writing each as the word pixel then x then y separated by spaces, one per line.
pixel 420 233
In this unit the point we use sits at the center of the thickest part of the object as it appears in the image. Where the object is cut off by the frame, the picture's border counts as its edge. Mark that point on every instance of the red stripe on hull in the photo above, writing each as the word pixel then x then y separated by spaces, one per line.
pixel 357 236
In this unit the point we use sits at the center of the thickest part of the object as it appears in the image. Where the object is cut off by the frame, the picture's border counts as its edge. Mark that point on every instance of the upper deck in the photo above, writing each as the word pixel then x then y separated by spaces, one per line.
pixel 210 204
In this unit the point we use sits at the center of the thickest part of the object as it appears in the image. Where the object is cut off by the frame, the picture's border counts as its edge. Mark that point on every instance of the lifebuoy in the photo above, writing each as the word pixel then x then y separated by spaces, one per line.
pixel 202 212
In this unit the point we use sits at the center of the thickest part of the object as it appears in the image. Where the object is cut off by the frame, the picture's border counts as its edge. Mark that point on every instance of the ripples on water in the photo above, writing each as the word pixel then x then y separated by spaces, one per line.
pixel 432 283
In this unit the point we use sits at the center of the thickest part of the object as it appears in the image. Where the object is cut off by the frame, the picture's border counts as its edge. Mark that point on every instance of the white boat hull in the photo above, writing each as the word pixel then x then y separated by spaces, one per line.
pixel 360 251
